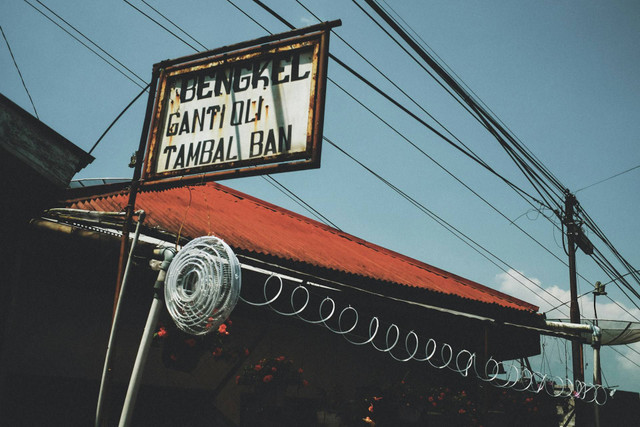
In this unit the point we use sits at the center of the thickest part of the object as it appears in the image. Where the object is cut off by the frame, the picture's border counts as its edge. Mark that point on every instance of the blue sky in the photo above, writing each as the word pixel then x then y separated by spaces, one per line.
pixel 562 75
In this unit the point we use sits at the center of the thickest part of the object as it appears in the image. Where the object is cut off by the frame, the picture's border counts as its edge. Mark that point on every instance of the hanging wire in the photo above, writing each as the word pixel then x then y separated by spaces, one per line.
pixel 19 73
pixel 174 24
pixel 609 178
pixel 115 67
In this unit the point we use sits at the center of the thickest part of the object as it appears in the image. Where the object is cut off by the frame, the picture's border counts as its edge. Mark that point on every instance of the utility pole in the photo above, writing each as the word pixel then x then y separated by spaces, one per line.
pixel 575 238
pixel 573 231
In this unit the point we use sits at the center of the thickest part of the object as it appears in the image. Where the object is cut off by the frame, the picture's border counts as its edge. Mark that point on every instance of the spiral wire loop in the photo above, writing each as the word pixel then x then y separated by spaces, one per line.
pixel 202 285
pixel 464 362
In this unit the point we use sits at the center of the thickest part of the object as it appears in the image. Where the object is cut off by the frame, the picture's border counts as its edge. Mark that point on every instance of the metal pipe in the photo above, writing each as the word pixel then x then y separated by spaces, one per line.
pixel 570 327
pixel 114 324
pixel 145 341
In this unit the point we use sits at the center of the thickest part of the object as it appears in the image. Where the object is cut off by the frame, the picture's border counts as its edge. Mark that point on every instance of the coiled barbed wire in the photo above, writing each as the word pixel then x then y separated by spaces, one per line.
pixel 464 362
pixel 202 285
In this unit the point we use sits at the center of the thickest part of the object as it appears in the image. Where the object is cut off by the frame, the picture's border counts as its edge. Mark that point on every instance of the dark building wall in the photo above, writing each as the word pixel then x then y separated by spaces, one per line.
pixel 58 329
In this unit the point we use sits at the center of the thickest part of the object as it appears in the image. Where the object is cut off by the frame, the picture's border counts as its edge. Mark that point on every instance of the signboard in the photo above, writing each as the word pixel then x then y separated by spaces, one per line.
pixel 250 111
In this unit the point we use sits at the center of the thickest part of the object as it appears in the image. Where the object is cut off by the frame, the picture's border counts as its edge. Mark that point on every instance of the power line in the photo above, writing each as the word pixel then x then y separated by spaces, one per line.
pixel 92 42
pixel 521 156
pixel 488 121
pixel 85 45
pixel 455 231
pixel 607 179
pixel 467 153
pixel 19 73
pixel 162 26
pixel 280 18
pixel 470 90
pixel 174 24
pixel 118 117
pixel 298 200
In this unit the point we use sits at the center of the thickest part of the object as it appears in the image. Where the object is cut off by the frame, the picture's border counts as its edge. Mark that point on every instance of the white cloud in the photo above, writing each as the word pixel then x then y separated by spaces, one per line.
pixel 531 290
pixel 619 363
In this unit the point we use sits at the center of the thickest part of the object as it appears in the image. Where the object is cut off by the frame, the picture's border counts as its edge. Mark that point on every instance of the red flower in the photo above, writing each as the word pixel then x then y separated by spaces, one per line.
pixel 161 332
pixel 305 383
pixel 274 369
pixel 267 378
pixel 377 398
pixel 371 408
pixel 280 358
pixel 430 399
pixel 217 352
pixel 222 330
pixel 462 411
pixel 463 393
pixel 246 351
pixel 257 367
pixel 434 404
pixel 300 371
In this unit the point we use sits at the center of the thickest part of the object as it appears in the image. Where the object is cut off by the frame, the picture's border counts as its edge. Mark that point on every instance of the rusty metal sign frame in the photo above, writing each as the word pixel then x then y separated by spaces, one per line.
pixel 315 37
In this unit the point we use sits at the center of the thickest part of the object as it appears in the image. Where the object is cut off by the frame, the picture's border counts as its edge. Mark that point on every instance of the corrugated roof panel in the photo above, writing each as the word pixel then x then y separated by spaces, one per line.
pixel 250 224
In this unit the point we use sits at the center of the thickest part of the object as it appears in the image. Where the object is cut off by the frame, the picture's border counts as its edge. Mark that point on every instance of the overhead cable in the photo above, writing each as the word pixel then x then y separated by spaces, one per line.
pixel 92 42
pixel 162 26
pixel 455 231
pixel 174 24
pixel 607 179
pixel 88 47
pixel 19 73
pixel 469 89
pixel 480 113
pixel 406 110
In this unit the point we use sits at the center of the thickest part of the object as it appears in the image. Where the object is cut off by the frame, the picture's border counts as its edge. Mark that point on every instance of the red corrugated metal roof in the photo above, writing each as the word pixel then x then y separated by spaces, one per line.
pixel 250 224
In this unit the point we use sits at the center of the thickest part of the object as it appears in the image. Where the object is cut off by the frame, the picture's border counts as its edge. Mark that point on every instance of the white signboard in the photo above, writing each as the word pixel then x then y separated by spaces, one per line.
pixel 235 112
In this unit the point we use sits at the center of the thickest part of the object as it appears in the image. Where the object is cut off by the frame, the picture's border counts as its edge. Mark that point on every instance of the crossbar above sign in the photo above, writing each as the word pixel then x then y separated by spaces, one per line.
pixel 237 112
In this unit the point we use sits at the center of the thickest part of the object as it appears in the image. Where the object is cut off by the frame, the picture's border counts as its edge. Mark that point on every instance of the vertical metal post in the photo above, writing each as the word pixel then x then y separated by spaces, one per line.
pixel 124 242
pixel 141 359
pixel 597 378
pixel 145 342
pixel 135 184
pixel 114 326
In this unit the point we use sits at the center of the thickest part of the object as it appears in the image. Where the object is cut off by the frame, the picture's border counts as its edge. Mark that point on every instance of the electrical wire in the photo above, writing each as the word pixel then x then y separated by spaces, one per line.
pixel 406 110
pixel 609 178
pixel 92 42
pixel 481 114
pixel 299 201
pixel 162 26
pixel 174 24
pixel 285 22
pixel 525 163
pixel 24 85
pixel 145 89
pixel 470 90
pixel 456 232
pixel 85 45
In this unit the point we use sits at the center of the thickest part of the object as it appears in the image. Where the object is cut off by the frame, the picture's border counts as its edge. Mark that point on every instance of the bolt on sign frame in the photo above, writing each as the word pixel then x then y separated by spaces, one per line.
pixel 247 109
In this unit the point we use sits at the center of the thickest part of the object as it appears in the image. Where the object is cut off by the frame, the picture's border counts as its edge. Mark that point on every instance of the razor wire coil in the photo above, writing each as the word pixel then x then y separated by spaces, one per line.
pixel 464 362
